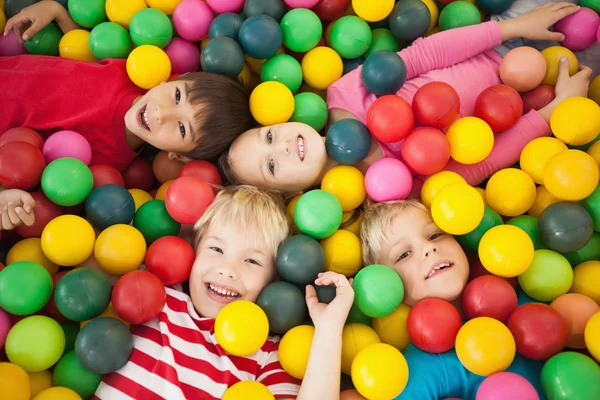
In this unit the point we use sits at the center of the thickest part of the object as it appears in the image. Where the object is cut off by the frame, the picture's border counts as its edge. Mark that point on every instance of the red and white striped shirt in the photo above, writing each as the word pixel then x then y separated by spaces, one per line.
pixel 176 356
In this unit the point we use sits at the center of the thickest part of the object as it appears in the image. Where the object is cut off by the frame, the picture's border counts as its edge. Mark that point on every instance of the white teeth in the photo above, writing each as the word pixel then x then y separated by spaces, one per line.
pixel 145 115
pixel 301 147
pixel 223 291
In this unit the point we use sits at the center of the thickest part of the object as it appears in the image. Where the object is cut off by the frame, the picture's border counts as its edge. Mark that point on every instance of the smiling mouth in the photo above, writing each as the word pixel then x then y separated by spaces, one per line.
pixel 226 294
pixel 300 147
pixel 144 117
pixel 444 265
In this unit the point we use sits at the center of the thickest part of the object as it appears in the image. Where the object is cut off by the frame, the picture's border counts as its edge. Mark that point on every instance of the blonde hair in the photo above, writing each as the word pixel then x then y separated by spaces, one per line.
pixel 376 223
pixel 248 209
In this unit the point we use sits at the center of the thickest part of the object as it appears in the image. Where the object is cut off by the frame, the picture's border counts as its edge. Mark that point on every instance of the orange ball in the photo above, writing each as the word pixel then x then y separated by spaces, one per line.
pixel 165 168
pixel 351 394
pixel 576 309
pixel 523 68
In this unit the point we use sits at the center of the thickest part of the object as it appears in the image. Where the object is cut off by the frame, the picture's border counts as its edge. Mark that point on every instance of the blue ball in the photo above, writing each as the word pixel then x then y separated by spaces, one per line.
pixel 410 19
pixel 109 205
pixel 348 141
pixel 272 8
pixel 494 6
pixel 261 36
pixel 227 24
pixel 352 64
pixel 104 345
pixel 384 72
pixel 224 56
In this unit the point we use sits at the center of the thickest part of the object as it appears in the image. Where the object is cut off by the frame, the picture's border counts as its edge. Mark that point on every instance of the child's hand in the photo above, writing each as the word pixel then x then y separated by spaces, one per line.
pixel 571 86
pixel 335 313
pixel 16 208
pixel 39 15
pixel 535 24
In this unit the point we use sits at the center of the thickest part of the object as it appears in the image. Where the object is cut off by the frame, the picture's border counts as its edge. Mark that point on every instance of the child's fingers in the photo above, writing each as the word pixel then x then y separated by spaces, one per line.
pixel 25 217
pixel 311 296
pixel 6 224
pixel 329 278
pixel 585 72
pixel 33 29
pixel 14 21
pixel 28 202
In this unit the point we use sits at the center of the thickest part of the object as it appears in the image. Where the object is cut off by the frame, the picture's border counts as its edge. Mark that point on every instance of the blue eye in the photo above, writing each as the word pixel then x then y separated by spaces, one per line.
pixel 269 137
pixel 177 96
pixel 182 130
pixel 272 167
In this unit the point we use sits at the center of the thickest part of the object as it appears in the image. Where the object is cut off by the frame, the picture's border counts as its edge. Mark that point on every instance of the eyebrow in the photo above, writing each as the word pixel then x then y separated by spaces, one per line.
pixel 187 96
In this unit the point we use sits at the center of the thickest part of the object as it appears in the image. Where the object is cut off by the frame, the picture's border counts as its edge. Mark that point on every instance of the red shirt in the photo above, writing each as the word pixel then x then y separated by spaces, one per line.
pixel 49 94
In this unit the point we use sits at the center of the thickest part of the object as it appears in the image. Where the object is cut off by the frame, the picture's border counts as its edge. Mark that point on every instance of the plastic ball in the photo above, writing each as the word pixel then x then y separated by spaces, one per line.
pixel 283 303
pixel 500 106
pixel 227 6
pixel 201 169
pixel 355 337
pixel 70 373
pixel 67 181
pixel 591 334
pixel 384 73
pixel 40 381
pixel 346 183
pixel 45 42
pixel 579 29
pixel 378 290
pixel 120 249
pixel 148 66
pixel 471 140
pixel 21 165
pixel 552 55
pixel 348 141
pixel 184 56
pixel 300 259
pixel 506 251
pixel 57 393
pixel 321 67
pixel 410 20
pixel 457 209
pixel 576 120
pixel 14 381
pixel 426 151
pixel 241 328
pixel 271 103
pixel 489 296
pixel 529 224
pixel 104 345
pixel 75 46
pixel 153 221
pixel 565 227
pixel 5 325
pixel 109 205
pixel 342 253
pixel 506 385
pixel 106 175
pixel 537 153
pixel 576 310
pixel 537 98
pixel 585 278
pixel 388 179
pixel 294 350
pixel 109 40
pixel 187 199
pixel 30 250
pixel 82 294
pixel 165 168
pixel 383 39
pixel 519 184
pixel 523 68
pixel 436 104
pixel 301 29
pixel 151 27
pixel 390 119
pixel 301 3
pixel 570 375
pixel 260 36
pixel 310 109
pixel 248 390
pixel 350 36
pixel 379 371
pixel 138 297
pixel 372 12
pixel 122 11
pixel 571 175
pixel 284 69
pixel 68 240
pixel 139 174
pixel 170 258
pixel 10 45
pixel 331 10
pixel 392 329
pixel 318 214
pixel 548 276
pixel 192 19
pixel 88 13
pixel 433 325
pixel 166 6
pixel 470 241
pixel 436 182
pixel 458 14
pixel 22 134
pixel 25 287
pixel 589 252
pixel 273 8
pixel 140 197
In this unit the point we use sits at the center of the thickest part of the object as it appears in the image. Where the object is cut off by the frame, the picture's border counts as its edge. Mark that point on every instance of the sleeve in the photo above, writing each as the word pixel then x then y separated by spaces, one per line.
pixel 272 375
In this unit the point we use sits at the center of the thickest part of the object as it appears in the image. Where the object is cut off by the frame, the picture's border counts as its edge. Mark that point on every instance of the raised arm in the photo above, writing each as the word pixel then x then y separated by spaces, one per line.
pixel 39 15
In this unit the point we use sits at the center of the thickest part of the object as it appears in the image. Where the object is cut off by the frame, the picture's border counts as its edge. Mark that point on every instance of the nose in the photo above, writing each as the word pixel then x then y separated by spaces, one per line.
pixel 430 251
pixel 227 272
pixel 285 147
pixel 163 114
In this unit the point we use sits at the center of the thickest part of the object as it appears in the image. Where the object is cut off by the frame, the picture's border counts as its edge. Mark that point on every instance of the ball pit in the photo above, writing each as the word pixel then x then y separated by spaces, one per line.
pixel 378 290
pixel 375 378
pixel 390 119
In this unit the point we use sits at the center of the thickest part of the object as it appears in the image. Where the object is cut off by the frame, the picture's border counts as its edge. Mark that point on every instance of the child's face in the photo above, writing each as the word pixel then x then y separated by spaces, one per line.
pixel 430 262
pixel 230 265
pixel 164 118
pixel 288 157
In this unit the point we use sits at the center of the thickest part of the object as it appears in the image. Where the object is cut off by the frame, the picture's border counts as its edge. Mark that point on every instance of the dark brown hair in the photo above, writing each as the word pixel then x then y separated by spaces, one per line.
pixel 227 174
pixel 223 112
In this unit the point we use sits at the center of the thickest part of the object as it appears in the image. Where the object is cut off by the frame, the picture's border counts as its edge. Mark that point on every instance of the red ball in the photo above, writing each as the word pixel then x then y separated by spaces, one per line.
pixel 477 269
pixel 106 175
pixel 436 104
pixel 21 165
pixel 170 258
pixel 538 98
pixel 139 175
pixel 22 134
pixel 165 168
pixel 390 119
pixel 44 211
pixel 138 297
pixel 202 169
pixel 539 331
pixel 500 106
pixel 329 10
pixel 187 198
pixel 426 151
pixel 433 325
pixel 50 307
pixel 489 296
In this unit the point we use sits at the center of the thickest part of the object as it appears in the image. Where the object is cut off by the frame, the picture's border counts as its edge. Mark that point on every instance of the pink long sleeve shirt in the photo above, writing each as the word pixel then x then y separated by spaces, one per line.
pixel 463 58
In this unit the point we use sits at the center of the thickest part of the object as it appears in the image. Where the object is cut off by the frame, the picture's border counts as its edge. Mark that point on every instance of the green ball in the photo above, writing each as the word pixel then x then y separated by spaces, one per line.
pixel 550 275
pixel 383 39
pixel 284 305
pixel 593 4
pixel 153 220
pixel 570 376
pixel 35 343
pixel 351 36
pixel 45 42
pixel 458 14
pixel 67 181
pixel 529 224
pixel 300 259
pixel 88 13
pixel 592 205
pixel 71 331
pixel 25 287
pixel 283 68
pixel 470 241
pixel 378 290
pixel 301 29
pixel 69 373
pixel 82 294
pixel 310 109
pixel 151 26
pixel 355 316
pixel 110 40
pixel 589 252
pixel 318 214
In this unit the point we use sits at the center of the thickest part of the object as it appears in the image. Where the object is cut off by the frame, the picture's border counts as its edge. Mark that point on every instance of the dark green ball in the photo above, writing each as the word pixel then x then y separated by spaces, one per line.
pixel 284 305
pixel 70 373
pixel 272 8
pixel 383 73
pixel 82 294
pixel 470 241
pixel 226 24
pixel 71 331
pixel 348 141
pixel 223 55
pixel 410 19
pixel 109 205
pixel 355 316
pixel 300 259
pixel 325 294
pixel 383 39
pixel 492 7
pixel 589 252
pixel 104 345
pixel 529 224
pixel 153 220
pixel 45 42
pixel 13 7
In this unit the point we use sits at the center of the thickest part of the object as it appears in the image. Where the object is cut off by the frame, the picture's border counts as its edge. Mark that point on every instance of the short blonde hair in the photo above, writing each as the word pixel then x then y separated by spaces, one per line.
pixel 248 209
pixel 377 220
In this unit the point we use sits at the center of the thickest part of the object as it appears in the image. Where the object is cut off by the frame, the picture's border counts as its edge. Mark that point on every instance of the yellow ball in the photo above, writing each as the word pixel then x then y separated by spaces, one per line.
pixel 434 12
pixel 294 350
pixel 271 103
pixel 161 193
pixel 120 249
pixel 586 280
pixel 355 337
pixel 139 197
pixel 392 328
pixel 471 140
pixel 571 175
pixel 14 382
pixel 510 192
pixel 576 121
pixel 292 205
pixel 506 251
pixel 543 199
pixel 342 253
pixel 437 182
pixel 592 336
pixel 40 381
pixel 109 312
pixel 594 151
pixel 166 6
pixel 245 77
pixel 482 194
pixel 379 372
pixel 321 67
pixel 248 390
pixel 552 55
pixel 347 184
pixel 57 393
pixel 30 250
pixel 457 209
pixel 75 45
pixel 536 154
pixel 121 11
pixel 68 240
pixel 354 227
pixel 594 91
pixel 373 11
pixel 2 19
pixel 485 346
pixel 148 66
pixel 241 328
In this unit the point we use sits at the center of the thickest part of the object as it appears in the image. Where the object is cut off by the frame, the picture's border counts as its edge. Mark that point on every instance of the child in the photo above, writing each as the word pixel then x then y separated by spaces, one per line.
pixel 292 156
pixel 176 356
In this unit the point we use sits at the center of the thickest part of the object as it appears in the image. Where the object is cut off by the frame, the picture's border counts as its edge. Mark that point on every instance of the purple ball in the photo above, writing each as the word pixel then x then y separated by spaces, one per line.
pixel 5 326
pixel 192 19
pixel 506 385
pixel 10 46
pixel 184 56
pixel 580 29
pixel 388 179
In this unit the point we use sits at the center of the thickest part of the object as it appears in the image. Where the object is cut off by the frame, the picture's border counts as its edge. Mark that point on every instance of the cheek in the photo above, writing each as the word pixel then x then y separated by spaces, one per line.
pixel 254 283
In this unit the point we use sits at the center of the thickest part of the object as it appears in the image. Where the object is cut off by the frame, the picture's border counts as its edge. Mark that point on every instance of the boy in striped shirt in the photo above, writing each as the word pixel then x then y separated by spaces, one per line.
pixel 176 355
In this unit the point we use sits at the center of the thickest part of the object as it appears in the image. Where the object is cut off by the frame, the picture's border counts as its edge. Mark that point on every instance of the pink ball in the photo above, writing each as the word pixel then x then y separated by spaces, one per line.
pixel 192 19
pixel 184 56
pixel 506 385
pixel 388 179
pixel 580 29
pixel 223 6
pixel 5 326
pixel 523 68
pixel 301 3
pixel 67 144
pixel 10 46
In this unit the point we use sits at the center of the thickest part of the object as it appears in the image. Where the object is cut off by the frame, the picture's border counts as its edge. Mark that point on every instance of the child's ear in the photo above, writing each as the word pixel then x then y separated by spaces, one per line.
pixel 179 157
